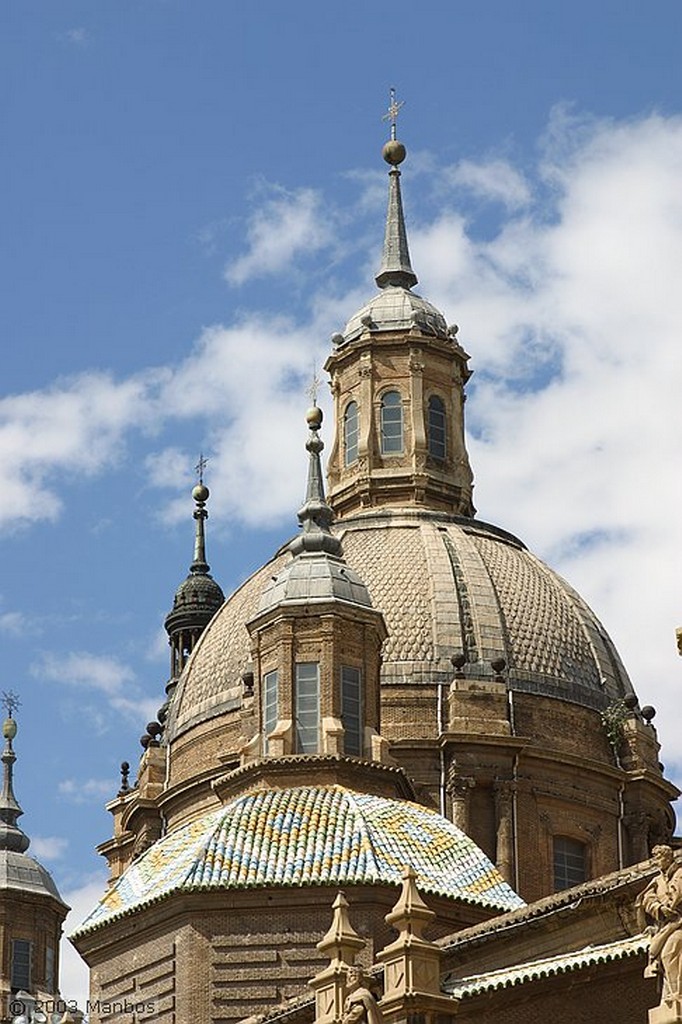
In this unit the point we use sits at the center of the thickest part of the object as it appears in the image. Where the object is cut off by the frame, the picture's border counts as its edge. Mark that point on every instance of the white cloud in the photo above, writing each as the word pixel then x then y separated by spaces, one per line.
pixel 101 673
pixel 91 671
pixel 77 426
pixel 493 180
pixel 49 847
pixel 286 226
pixel 82 791
pixel 14 623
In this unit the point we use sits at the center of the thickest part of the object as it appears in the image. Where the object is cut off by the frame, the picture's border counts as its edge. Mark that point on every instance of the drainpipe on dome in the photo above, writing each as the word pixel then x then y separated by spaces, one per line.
pixel 515 776
pixel 621 819
pixel 441 749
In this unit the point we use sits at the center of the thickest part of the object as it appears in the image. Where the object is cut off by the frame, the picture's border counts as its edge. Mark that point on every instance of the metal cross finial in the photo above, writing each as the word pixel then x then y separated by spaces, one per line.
pixel 314 386
pixel 200 467
pixel 392 112
pixel 10 702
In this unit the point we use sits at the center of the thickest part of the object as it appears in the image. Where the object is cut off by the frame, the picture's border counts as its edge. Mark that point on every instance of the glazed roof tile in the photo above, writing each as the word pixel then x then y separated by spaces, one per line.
pixel 519 974
pixel 309 835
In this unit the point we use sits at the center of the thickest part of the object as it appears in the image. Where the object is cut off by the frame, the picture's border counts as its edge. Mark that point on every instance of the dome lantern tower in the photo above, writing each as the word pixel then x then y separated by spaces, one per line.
pixel 198 597
pixel 397 376
pixel 316 642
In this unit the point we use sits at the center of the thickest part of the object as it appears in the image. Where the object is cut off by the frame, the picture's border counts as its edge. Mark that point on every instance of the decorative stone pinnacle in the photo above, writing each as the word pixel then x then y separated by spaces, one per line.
pixel 315 515
pixel 410 915
pixel 341 943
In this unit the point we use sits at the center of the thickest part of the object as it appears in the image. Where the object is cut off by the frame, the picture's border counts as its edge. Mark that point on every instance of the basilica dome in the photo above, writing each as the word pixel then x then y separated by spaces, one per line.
pixel 474 590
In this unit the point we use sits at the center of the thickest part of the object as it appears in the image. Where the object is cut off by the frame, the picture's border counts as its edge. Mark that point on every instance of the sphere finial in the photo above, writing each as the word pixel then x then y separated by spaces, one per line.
pixel 393 152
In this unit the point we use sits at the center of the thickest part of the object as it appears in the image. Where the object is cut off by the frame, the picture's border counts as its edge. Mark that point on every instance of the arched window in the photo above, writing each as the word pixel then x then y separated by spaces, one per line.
pixel 437 428
pixel 351 430
pixel 570 862
pixel 391 423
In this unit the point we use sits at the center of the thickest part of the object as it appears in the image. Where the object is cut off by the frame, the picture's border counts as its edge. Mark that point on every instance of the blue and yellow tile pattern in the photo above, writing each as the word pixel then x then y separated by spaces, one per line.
pixel 309 835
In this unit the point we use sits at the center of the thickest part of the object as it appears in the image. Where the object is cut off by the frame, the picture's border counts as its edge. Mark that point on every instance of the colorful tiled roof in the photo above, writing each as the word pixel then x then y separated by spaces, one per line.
pixel 309 835
pixel 508 977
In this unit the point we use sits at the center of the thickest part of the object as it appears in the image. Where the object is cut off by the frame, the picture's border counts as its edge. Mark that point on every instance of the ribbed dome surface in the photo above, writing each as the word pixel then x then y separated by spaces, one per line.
pixel 472 588
pixel 309 835
pixel 396 309
pixel 23 873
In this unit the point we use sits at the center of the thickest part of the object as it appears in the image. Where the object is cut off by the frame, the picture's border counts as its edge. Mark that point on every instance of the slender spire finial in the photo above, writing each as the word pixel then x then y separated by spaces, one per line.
pixel 396 268
pixel 11 836
pixel 201 494
pixel 315 516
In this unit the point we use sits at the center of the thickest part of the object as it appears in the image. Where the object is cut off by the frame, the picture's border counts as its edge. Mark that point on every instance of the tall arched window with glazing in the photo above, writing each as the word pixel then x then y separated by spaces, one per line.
pixel 351 433
pixel 391 423
pixel 437 428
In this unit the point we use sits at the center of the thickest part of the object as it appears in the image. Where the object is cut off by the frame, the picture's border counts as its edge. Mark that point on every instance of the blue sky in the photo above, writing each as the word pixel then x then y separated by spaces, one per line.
pixel 193 199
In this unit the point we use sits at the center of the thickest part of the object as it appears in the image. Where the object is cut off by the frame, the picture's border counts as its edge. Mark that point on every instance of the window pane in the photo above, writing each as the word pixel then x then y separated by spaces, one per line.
pixel 307 707
pixel 49 969
pixel 391 423
pixel 21 964
pixel 437 425
pixel 351 710
pixel 569 863
pixel 269 705
pixel 351 432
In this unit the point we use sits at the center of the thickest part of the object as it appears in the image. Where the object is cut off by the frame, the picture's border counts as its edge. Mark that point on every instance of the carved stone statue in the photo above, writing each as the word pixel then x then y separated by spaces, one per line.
pixel 360 1006
pixel 659 909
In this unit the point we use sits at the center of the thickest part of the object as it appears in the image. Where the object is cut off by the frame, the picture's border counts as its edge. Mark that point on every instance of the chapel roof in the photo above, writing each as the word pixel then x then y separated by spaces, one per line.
pixel 307 836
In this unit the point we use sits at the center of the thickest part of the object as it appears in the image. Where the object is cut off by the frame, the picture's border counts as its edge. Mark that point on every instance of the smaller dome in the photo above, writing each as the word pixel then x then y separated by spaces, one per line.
pixel 196 601
pixel 307 836
pixel 396 309
pixel 314 577
pixel 23 873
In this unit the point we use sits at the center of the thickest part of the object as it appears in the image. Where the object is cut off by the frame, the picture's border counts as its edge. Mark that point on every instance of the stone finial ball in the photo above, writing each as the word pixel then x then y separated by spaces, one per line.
pixel 314 417
pixel 200 492
pixel 394 152
pixel 9 728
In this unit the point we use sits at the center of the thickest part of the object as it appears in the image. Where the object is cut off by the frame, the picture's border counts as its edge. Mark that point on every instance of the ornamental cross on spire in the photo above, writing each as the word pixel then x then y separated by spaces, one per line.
pixel 391 114
pixel 200 467
pixel 10 702
pixel 314 386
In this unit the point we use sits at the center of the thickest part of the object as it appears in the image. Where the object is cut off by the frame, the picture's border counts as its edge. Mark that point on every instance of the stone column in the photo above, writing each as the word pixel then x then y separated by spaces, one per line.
pixel 504 790
pixel 459 789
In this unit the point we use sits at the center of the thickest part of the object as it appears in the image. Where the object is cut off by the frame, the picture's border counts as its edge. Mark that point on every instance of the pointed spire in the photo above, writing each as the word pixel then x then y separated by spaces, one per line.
pixel 396 268
pixel 201 495
pixel 316 515
pixel 11 836
pixel 198 597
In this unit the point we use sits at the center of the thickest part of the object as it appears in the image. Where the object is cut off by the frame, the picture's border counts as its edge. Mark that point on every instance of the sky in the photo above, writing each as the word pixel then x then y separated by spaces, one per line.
pixel 193 201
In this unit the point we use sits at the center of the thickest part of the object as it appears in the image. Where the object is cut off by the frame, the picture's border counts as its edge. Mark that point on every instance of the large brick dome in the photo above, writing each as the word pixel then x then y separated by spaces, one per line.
pixel 446 586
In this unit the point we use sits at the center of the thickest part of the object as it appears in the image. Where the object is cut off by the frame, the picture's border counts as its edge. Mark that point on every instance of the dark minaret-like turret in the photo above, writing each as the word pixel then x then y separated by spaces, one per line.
pixel 198 597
